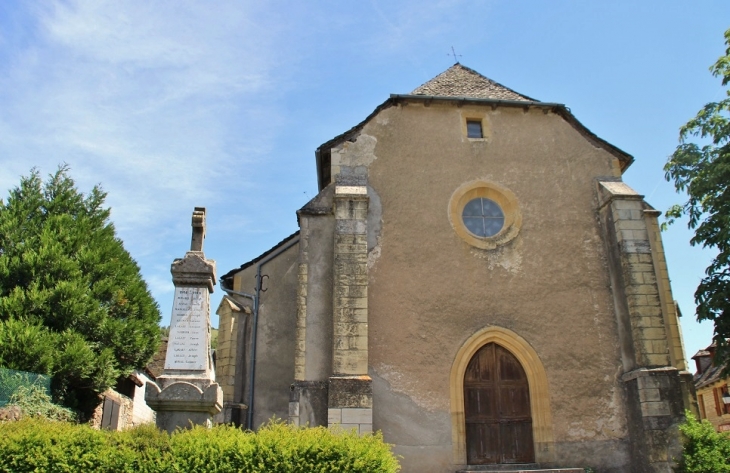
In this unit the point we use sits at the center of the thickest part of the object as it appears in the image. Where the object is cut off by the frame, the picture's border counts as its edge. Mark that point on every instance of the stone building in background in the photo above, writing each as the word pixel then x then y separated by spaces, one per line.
pixel 713 397
pixel 474 280
pixel 124 406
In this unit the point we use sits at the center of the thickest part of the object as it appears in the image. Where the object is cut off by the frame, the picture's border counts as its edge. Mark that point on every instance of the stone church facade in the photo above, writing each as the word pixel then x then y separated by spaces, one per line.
pixel 474 280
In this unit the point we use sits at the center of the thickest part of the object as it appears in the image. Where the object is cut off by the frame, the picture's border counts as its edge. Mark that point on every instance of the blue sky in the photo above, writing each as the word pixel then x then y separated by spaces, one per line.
pixel 171 105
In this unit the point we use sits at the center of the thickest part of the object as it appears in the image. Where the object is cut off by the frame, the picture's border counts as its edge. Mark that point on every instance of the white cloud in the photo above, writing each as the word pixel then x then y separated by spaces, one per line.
pixel 137 95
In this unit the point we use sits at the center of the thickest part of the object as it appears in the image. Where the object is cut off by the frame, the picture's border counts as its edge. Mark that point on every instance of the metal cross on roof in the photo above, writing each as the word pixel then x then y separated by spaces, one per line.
pixel 453 53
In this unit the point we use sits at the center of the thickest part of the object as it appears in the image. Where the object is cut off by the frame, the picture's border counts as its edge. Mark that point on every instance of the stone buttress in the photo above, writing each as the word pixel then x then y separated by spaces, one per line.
pixel 313 350
pixel 658 386
pixel 332 385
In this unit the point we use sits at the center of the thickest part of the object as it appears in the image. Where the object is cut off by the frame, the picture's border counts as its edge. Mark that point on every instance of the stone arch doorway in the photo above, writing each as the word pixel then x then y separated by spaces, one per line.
pixel 542 425
pixel 497 408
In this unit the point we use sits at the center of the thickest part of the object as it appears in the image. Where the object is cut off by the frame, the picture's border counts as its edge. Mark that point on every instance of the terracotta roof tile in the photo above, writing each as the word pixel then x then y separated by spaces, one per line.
pixel 709 376
pixel 701 353
pixel 460 81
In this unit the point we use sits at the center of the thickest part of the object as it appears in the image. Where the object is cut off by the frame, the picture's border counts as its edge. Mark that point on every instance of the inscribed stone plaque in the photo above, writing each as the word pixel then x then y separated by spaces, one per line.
pixel 187 347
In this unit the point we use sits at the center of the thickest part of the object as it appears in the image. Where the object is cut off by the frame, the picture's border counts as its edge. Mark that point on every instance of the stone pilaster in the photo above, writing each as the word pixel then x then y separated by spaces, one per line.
pixel 350 387
pixel 300 390
pixel 301 340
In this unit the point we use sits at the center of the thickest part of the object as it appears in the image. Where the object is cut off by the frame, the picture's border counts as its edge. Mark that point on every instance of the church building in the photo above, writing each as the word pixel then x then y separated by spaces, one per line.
pixel 474 280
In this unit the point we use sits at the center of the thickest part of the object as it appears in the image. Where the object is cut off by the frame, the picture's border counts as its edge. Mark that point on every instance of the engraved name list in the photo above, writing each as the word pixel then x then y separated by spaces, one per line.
pixel 187 347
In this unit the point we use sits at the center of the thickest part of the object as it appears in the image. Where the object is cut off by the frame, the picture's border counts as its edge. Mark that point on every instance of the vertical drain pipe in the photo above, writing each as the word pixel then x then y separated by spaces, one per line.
pixel 256 304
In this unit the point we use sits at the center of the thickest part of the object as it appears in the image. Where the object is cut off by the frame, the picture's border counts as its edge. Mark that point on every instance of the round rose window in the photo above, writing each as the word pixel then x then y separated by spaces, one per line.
pixel 483 217
pixel 484 214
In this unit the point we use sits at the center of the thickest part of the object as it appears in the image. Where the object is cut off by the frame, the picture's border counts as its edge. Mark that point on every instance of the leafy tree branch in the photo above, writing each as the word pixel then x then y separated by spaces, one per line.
pixel 702 171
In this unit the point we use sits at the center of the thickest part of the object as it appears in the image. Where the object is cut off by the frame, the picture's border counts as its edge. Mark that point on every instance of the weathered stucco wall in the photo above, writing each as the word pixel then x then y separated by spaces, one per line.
pixel 141 412
pixel 313 362
pixel 432 296
pixel 430 290
pixel 276 335
pixel 317 226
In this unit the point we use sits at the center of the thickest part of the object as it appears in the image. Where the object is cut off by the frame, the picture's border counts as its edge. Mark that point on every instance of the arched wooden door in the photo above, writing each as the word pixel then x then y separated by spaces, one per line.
pixel 497 408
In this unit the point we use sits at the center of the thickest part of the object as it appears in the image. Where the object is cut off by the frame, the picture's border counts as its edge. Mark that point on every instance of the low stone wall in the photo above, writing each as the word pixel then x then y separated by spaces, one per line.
pixel 125 410
pixel 10 413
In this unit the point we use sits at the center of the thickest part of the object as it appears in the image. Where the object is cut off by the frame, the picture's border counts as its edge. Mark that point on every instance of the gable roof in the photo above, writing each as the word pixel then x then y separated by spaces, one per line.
pixel 460 85
pixel 708 373
pixel 461 81
pixel 711 375
pixel 227 279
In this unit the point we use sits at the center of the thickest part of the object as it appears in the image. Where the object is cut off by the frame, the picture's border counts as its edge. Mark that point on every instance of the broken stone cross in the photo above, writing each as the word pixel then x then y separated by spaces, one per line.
pixel 186 393
pixel 196 244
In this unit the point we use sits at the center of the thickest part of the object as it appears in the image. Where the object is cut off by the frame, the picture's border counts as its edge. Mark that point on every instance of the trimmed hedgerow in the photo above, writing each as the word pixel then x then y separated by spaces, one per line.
pixel 39 445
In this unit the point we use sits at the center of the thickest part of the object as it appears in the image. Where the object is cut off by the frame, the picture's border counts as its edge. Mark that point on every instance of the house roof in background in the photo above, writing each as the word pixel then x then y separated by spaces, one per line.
pixel 157 365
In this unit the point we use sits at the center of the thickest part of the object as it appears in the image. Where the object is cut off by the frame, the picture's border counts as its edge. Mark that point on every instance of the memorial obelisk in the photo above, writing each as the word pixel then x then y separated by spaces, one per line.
pixel 186 393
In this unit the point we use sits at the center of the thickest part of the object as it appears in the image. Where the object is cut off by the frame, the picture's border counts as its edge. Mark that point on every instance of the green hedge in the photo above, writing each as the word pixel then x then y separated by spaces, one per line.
pixel 33 445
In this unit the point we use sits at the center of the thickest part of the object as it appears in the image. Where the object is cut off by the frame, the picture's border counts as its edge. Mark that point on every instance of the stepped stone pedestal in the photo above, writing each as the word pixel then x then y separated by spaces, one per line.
pixel 186 394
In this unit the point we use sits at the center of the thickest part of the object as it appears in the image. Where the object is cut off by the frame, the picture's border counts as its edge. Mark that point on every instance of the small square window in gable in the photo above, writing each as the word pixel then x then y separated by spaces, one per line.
pixel 474 129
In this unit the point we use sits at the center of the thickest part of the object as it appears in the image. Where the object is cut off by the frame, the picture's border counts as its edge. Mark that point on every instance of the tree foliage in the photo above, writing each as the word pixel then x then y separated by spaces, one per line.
pixel 703 449
pixel 72 301
pixel 33 401
pixel 703 172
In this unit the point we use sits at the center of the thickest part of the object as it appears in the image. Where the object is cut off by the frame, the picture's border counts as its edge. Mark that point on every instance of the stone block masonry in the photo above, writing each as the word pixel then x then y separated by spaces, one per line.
pixel 301 348
pixel 350 403
pixel 352 418
pixel 669 308
pixel 648 324
pixel 350 355
pixel 350 393
pixel 649 331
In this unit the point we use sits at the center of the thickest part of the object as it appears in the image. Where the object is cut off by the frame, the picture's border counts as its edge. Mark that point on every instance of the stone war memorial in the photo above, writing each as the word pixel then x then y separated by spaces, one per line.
pixel 186 394
pixel 474 280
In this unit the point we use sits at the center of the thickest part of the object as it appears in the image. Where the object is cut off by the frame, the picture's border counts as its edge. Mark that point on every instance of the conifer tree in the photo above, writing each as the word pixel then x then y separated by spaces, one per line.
pixel 73 304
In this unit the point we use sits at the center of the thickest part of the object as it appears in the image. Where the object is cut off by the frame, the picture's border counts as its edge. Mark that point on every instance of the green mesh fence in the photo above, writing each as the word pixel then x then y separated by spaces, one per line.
pixel 10 380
